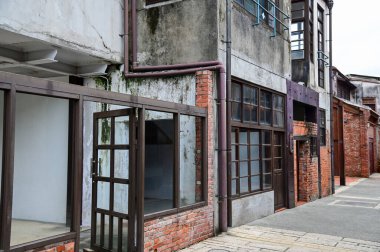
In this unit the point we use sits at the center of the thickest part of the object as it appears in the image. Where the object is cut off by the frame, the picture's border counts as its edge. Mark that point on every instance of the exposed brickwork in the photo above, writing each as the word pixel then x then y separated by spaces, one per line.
pixel 352 146
pixel 178 231
pixel 60 247
pixel 325 157
pixel 306 173
pixel 356 134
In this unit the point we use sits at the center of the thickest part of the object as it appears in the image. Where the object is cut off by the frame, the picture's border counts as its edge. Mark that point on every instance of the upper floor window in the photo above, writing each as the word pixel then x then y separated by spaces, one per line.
pixel 343 91
pixel 267 11
pixel 254 106
pixel 321 48
pixel 298 30
pixel 311 29
pixel 322 127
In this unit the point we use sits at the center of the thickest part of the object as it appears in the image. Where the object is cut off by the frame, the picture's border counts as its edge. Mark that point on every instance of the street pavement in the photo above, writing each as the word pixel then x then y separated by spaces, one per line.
pixel 346 221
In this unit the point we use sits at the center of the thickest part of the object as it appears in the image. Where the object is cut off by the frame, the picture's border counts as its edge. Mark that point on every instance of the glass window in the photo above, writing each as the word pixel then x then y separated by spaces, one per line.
pixel 191 177
pixel 41 167
pixel 322 127
pixel 265 108
pixel 1 137
pixel 159 162
pixel 278 108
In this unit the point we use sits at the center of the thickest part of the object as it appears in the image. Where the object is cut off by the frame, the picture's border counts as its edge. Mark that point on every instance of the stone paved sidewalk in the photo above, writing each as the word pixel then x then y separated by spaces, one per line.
pixel 257 238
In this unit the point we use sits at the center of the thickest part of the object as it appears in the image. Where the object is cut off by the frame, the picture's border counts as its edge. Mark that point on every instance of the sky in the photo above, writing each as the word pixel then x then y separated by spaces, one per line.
pixel 356 36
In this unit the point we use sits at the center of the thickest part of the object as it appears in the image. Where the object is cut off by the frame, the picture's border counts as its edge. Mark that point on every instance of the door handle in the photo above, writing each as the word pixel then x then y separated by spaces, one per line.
pixel 93 167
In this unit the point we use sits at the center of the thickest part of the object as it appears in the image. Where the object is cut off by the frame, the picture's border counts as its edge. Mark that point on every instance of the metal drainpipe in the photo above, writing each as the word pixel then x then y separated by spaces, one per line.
pixel 181 69
pixel 228 97
pixel 330 5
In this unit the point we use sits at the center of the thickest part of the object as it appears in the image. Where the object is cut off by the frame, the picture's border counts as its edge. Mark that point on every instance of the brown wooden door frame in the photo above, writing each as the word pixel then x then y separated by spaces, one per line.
pixel 339 158
pixel 111 213
pixel 371 156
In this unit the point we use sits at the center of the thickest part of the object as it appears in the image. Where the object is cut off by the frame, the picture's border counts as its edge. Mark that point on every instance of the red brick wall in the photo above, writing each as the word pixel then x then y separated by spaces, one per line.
pixel 178 231
pixel 356 134
pixel 325 157
pixel 60 247
pixel 307 172
pixel 352 144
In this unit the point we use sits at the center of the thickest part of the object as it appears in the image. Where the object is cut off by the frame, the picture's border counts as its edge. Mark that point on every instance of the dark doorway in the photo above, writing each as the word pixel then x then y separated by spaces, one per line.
pixel 112 179
pixel 371 156
pixel 278 170
pixel 338 144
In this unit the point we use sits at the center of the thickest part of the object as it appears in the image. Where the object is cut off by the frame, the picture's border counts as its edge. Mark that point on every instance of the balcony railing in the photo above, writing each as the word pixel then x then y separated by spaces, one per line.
pixel 273 9
pixel 323 57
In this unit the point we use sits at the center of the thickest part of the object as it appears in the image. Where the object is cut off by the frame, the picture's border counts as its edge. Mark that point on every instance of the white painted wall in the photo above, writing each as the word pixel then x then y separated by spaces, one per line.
pixel 91 26
pixel 41 159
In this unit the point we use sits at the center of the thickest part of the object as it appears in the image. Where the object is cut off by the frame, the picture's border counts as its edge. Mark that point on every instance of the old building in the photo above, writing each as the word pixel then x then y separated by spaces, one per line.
pixel 356 128
pixel 154 124
pixel 308 101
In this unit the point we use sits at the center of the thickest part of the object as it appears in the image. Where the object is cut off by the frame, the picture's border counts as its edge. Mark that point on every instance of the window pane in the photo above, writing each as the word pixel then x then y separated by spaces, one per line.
pixel 104 163
pixel 277 151
pixel 190 160
pixel 254 137
pixel 249 95
pixel 267 182
pixel 243 169
pixel 249 113
pixel 255 167
pixel 243 152
pixel 236 111
pixel 277 165
pixel 233 187
pixel 255 152
pixel 266 100
pixel 159 161
pixel 243 136
pixel 121 198
pixel 233 152
pixel 266 137
pixel 244 185
pixel 278 119
pixel 121 164
pixel 278 138
pixel 103 195
pixel 104 131
pixel 122 130
pixel 236 92
pixel 41 163
pixel 233 136
pixel 234 169
pixel 266 152
pixel 267 166
pixel 255 183
pixel 278 102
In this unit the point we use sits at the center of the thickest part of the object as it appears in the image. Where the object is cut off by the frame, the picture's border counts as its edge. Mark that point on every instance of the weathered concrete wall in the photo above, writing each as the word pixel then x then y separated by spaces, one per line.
pixel 41 159
pixel 251 208
pixel 91 26
pixel 256 57
pixel 367 89
pixel 177 32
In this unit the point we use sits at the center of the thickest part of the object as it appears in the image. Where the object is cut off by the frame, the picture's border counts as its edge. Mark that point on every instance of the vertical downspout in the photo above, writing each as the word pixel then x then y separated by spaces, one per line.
pixel 228 97
pixel 330 5
pixel 134 31
pixel 126 37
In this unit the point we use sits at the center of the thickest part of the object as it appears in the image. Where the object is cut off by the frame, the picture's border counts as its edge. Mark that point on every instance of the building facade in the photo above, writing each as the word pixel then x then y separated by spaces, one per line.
pixel 356 129
pixel 150 125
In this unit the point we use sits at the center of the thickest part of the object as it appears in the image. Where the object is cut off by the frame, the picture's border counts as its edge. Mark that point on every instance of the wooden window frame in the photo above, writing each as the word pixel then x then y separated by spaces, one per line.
pixel 322 127
pixel 321 45
pixel 12 83
pixel 254 127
